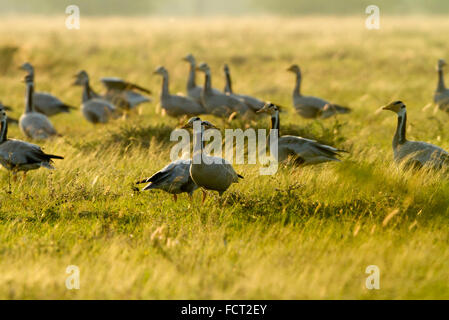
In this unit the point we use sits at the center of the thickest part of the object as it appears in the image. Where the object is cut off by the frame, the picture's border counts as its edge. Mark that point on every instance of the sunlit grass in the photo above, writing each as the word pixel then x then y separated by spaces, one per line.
pixel 303 233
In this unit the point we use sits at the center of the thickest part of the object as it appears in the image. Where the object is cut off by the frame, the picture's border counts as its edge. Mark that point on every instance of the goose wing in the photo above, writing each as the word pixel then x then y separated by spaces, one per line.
pixel 309 150
pixel 171 178
pixel 48 104
pixel 17 153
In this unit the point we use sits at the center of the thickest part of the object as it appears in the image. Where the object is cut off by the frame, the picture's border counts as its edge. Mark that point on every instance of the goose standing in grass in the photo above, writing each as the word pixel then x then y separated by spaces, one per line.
pixel 33 124
pixel 415 154
pixel 123 94
pixel 254 103
pixel 94 108
pixel 304 151
pixel 441 96
pixel 174 178
pixel 194 91
pixel 312 107
pixel 208 172
pixel 220 104
pixel 44 102
pixel 17 155
pixel 175 105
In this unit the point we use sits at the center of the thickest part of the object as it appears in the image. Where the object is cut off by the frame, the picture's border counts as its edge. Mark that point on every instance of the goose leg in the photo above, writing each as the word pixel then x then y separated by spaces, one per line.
pixel 175 197
pixel 14 176
pixel 24 175
pixel 204 196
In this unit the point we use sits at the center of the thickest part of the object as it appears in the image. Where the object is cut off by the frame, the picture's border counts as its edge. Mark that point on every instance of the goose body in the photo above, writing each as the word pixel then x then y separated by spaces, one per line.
pixel 252 102
pixel 415 154
pixel 310 107
pixel 94 108
pixel 209 173
pixel 441 95
pixel 44 102
pixel 17 155
pixel 175 105
pixel 33 124
pixel 194 91
pixel 174 178
pixel 220 104
pixel 304 151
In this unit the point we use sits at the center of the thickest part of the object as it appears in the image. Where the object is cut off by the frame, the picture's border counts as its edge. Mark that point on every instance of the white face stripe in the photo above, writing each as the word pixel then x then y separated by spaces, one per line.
pixel 401 112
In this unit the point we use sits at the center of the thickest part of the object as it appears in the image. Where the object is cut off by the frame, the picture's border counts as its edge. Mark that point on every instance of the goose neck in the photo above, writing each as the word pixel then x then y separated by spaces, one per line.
pixel 400 134
pixel 165 90
pixel 191 82
pixel 297 88
pixel 87 92
pixel 228 87
pixel 4 130
pixel 29 97
pixel 207 82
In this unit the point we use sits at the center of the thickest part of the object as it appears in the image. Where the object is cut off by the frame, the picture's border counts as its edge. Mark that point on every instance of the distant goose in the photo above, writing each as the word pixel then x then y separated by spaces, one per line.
pixel 17 155
pixel 173 178
pixel 414 154
pixel 441 96
pixel 194 91
pixel 123 93
pixel 46 103
pixel 312 107
pixel 304 151
pixel 94 108
pixel 175 105
pixel 33 124
pixel 209 173
pixel 252 102
pixel 220 104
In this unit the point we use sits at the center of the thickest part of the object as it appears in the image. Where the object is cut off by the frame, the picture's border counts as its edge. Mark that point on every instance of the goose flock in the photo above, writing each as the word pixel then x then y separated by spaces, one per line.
pixel 210 173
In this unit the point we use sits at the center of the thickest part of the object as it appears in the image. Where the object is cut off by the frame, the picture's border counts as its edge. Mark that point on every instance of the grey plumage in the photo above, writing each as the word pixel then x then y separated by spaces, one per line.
pixel 312 107
pixel 174 178
pixel 175 105
pixel 252 102
pixel 44 102
pixel 303 151
pixel 441 95
pixel 33 124
pixel 220 104
pixel 17 155
pixel 414 153
pixel 94 108
pixel 123 94
pixel 210 173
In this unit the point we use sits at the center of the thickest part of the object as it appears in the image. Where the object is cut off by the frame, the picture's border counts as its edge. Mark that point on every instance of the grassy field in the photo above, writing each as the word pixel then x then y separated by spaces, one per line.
pixel 304 233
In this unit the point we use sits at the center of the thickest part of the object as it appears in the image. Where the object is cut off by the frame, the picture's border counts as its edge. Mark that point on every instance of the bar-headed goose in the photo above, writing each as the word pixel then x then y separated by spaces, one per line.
pixel 312 107
pixel 208 172
pixel 220 104
pixel 9 119
pixel 17 155
pixel 252 102
pixel 94 108
pixel 304 151
pixel 414 154
pixel 441 96
pixel 33 124
pixel 175 105
pixel 194 91
pixel 44 102
pixel 123 94
pixel 173 178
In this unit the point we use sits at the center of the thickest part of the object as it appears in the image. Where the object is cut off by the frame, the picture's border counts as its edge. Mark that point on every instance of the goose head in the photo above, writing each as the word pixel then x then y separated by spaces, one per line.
pixel 81 78
pixel 294 68
pixel 269 108
pixel 161 71
pixel 27 67
pixel 395 106
pixel 189 58
pixel 441 64
pixel 203 67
